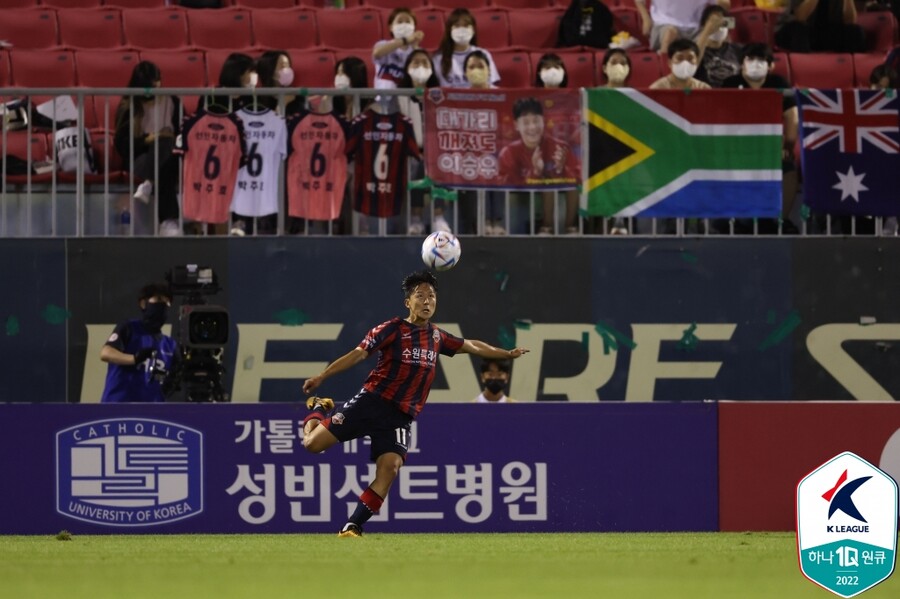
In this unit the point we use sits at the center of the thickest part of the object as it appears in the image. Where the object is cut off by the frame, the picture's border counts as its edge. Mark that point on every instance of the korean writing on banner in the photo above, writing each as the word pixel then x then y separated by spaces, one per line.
pixel 267 487
pixel 507 139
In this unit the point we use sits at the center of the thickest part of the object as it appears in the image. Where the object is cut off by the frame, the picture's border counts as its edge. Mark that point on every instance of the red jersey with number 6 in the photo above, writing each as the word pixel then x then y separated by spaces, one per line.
pixel 317 165
pixel 380 145
pixel 214 148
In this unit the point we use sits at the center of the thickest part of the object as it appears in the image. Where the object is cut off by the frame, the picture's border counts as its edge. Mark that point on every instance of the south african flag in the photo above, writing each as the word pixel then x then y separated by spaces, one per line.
pixel 705 154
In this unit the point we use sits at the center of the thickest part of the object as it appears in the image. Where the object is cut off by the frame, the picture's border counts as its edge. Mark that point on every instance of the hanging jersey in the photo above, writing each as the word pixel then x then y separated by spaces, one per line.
pixel 380 145
pixel 213 147
pixel 136 383
pixel 257 185
pixel 317 165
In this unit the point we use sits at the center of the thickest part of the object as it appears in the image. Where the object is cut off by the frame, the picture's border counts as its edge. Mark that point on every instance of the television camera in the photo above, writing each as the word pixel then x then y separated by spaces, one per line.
pixel 201 331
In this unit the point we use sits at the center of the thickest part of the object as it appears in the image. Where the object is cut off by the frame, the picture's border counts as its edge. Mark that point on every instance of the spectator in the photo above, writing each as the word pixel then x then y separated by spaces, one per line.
pixel 820 26
pixel 586 23
pixel 238 70
pixel 669 20
pixel 350 73
pixel 551 73
pixel 684 56
pixel 616 68
pixel 719 58
pixel 148 125
pixel 390 55
pixel 460 40
pixel 883 77
pixel 418 72
pixel 494 381
pixel 756 73
pixel 275 70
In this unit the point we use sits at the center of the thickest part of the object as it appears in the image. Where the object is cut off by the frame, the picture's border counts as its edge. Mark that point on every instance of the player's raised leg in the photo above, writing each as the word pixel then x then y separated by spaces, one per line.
pixel 317 438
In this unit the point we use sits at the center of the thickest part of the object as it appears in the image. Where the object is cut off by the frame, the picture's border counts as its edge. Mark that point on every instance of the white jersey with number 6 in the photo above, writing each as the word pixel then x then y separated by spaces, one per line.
pixel 256 192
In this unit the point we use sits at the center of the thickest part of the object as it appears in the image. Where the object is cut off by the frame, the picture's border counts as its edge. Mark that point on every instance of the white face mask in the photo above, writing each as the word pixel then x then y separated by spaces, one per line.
pixel 254 79
pixel 285 76
pixel 617 73
pixel 402 30
pixel 684 69
pixel 756 70
pixel 341 81
pixel 553 76
pixel 719 36
pixel 420 75
pixel 462 35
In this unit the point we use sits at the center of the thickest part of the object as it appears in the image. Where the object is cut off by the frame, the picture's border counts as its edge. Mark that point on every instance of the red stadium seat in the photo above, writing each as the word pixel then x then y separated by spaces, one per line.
pixel 291 28
pixel 821 70
pixel 534 28
pixel 155 29
pixel 136 3
pixel 430 21
pixel 226 28
pixel 7 4
pixel 215 58
pixel 17 144
pixel 863 65
pixel 180 68
pixel 579 67
pixel 90 28
pixel 313 68
pixel 105 68
pixel 880 29
pixel 454 4
pixel 67 4
pixel 492 28
pixel 517 4
pixel 42 68
pixel 751 26
pixel 628 19
pixel 646 67
pixel 29 28
pixel 352 28
pixel 782 65
pixel 514 68
pixel 266 4
pixel 392 4
pixel 5 74
pixel 313 3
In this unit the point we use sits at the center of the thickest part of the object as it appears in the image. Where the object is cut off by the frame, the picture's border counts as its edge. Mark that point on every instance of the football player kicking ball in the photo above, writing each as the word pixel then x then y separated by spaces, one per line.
pixel 393 394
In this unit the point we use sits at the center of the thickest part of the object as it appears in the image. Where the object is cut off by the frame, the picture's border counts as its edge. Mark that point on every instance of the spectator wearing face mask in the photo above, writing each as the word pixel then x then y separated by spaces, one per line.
pixel 684 56
pixel 275 70
pixel 350 72
pixel 551 74
pixel 719 58
pixel 616 67
pixel 756 73
pixel 459 41
pixel 238 70
pixel 494 381
pixel 390 55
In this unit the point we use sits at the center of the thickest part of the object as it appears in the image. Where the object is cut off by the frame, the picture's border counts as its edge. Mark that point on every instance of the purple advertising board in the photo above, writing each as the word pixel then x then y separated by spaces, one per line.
pixel 229 468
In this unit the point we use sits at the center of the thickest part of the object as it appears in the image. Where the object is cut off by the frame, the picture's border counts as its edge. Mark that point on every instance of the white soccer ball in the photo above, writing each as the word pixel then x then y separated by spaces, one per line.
pixel 441 251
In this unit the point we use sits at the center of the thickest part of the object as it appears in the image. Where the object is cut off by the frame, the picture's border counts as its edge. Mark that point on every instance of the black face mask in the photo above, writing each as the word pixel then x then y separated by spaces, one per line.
pixel 495 385
pixel 155 316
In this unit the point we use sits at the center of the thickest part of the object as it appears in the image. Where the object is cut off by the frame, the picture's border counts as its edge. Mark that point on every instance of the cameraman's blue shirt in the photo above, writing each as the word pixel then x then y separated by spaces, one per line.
pixel 135 383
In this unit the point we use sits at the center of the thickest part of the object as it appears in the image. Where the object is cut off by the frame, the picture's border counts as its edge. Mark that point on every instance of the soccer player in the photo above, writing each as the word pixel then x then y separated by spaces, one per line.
pixel 394 392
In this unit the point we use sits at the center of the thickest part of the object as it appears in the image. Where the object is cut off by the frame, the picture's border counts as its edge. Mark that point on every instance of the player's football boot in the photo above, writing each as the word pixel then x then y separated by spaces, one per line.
pixel 350 530
pixel 326 403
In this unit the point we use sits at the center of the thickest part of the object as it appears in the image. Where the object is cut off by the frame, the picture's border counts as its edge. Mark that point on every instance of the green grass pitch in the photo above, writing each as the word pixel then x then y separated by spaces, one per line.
pixel 424 566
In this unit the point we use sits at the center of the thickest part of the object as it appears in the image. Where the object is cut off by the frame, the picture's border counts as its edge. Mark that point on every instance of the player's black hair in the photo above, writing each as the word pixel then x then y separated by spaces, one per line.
pixel 527 106
pixel 682 44
pixel 415 279
pixel 151 289
pixel 502 365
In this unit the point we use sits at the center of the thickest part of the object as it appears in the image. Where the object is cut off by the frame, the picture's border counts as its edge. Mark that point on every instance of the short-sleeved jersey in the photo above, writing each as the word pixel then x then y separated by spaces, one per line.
pixel 517 164
pixel 256 193
pixel 213 146
pixel 457 75
pixel 379 146
pixel 407 361
pixel 317 165
pixel 134 383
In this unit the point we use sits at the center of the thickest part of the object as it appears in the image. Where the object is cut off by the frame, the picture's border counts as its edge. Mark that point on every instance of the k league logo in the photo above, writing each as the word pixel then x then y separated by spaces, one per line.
pixel 129 472
pixel 847 525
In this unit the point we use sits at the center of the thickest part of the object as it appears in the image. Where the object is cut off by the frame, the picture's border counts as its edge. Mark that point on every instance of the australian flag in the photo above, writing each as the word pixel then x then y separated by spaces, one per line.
pixel 851 151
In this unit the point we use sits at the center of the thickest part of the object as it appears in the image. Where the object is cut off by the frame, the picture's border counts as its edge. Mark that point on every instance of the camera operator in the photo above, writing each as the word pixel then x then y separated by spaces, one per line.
pixel 138 353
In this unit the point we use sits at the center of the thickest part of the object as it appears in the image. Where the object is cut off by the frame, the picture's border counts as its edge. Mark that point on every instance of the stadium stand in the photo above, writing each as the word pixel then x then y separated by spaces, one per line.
pixel 17 144
pixel 215 58
pixel 65 4
pixel 42 68
pixel 265 5
pixel 514 68
pixel 290 28
pixel 221 29
pixel 628 19
pixel 334 26
pixel 580 67
pixel 880 29
pixel 5 74
pixel 823 70
pixel 156 29
pixel 90 28
pixel 863 65
pixel 7 4
pixel 751 25
pixel 392 4
pixel 492 27
pixel 533 28
pixel 646 67
pixel 29 28
pixel 781 65
pixel 312 69
pixel 103 68
pixel 180 68
pixel 126 4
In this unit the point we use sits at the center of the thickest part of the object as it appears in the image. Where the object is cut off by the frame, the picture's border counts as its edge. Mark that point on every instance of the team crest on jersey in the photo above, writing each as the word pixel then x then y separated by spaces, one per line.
pixel 256 124
pixel 129 472
pixel 338 418
pixel 384 126
pixel 112 338
pixel 436 95
pixel 436 335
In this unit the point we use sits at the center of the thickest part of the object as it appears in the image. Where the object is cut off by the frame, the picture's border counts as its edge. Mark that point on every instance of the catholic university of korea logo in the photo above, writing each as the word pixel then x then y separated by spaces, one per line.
pixel 847 525
pixel 129 472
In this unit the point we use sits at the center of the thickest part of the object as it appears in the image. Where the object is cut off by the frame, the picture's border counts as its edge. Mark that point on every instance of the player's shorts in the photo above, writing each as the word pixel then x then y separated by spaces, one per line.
pixel 656 34
pixel 369 415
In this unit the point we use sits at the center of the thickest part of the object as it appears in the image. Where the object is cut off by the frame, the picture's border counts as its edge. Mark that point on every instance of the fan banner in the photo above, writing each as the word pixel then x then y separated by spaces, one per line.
pixel 503 138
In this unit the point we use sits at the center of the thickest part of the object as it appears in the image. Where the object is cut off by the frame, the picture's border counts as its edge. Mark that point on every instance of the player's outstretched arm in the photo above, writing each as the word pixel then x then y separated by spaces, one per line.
pixel 348 360
pixel 486 350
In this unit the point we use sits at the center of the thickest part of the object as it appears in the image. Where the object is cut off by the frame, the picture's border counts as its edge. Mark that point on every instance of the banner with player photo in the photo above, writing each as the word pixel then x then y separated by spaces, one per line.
pixel 503 138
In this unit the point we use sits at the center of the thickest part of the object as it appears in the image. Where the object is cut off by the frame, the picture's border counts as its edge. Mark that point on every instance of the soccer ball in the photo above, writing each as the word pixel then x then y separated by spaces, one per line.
pixel 441 251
